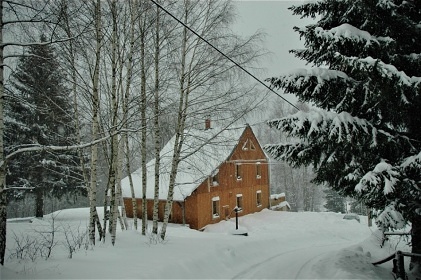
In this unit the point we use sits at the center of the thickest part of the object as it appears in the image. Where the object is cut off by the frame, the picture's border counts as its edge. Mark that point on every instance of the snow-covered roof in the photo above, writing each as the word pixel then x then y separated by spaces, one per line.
pixel 277 196
pixel 280 205
pixel 202 153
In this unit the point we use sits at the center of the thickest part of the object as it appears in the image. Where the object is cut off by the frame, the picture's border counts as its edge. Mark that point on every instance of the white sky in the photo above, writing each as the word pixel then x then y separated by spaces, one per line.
pixel 274 19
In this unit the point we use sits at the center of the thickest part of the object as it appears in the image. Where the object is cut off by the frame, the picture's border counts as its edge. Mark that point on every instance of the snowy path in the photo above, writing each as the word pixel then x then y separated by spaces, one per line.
pixel 290 264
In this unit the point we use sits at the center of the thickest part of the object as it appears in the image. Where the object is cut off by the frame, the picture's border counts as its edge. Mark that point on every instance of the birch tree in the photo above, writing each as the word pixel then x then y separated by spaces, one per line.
pixel 3 202
pixel 157 135
pixel 93 216
pixel 83 58
pixel 134 6
pixel 144 26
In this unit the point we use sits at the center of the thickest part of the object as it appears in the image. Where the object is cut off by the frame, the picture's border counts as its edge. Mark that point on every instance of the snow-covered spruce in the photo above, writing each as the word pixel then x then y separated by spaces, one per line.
pixel 364 140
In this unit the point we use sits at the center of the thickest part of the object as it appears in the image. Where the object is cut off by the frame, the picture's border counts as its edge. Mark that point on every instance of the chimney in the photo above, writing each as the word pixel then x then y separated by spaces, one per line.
pixel 207 124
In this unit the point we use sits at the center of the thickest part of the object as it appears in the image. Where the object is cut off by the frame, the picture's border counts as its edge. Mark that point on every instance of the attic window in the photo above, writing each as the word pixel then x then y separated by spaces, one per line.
pixel 238 171
pixel 252 146
pixel 258 170
pixel 215 178
pixel 248 145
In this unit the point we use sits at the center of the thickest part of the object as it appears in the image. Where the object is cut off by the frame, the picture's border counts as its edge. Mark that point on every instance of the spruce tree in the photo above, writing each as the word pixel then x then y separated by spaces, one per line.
pixel 39 112
pixel 364 137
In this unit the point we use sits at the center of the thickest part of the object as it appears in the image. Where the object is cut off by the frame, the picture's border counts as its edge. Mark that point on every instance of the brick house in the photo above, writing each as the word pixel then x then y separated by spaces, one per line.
pixel 219 171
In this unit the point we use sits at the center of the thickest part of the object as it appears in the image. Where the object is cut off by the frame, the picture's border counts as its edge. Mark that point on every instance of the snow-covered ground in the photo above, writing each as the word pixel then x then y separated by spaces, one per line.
pixel 279 245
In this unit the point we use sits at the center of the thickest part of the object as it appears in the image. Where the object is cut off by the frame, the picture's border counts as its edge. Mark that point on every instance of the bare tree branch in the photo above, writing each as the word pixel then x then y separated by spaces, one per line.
pixel 37 147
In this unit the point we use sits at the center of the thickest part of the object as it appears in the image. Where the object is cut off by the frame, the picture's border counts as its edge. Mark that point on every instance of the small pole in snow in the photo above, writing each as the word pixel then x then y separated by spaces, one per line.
pixel 236 218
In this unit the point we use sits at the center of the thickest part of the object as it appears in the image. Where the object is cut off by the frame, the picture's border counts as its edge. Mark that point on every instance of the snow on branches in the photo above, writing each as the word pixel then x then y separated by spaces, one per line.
pixel 321 124
pixel 390 218
pixel 384 174
pixel 386 71
pixel 412 162
pixel 347 31
pixel 312 84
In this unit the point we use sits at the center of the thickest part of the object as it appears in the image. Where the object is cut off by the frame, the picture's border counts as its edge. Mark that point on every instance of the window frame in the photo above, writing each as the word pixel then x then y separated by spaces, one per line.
pixel 259 198
pixel 252 147
pixel 238 172
pixel 216 211
pixel 258 170
pixel 239 202
pixel 215 179
pixel 248 145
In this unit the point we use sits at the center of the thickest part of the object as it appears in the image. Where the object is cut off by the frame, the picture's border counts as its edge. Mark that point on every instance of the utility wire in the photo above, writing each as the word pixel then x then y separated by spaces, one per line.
pixel 223 54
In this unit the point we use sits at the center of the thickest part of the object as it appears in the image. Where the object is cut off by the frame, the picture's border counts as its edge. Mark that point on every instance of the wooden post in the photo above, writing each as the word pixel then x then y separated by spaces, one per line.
pixel 236 218
pixel 400 265
pixel 183 208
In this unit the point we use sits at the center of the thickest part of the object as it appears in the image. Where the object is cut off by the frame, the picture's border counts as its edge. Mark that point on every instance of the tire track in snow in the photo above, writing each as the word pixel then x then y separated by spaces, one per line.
pixel 307 262
pixel 273 261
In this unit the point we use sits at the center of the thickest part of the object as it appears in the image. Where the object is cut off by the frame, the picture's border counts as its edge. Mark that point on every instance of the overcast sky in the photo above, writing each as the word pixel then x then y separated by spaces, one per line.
pixel 273 18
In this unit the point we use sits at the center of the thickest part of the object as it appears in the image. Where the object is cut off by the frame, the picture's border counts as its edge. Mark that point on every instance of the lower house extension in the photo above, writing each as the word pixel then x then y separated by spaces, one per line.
pixel 220 170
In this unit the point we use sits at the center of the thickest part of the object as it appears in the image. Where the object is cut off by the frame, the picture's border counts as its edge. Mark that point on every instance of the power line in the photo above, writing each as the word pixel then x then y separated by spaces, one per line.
pixel 223 54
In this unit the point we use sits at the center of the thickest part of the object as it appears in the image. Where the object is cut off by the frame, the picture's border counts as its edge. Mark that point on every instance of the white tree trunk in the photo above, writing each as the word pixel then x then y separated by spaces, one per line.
pixel 156 128
pixel 122 216
pixel 143 126
pixel 179 135
pixel 114 140
pixel 3 202
pixel 93 216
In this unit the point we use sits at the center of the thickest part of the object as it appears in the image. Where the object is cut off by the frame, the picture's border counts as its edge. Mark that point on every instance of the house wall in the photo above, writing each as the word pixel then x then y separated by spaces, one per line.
pixel 229 186
pixel 176 214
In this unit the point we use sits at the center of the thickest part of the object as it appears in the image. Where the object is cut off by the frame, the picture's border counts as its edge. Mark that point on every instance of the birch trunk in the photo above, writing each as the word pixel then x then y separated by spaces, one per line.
pixel 133 8
pixel 185 87
pixel 72 59
pixel 157 129
pixel 114 140
pixel 179 135
pixel 3 202
pixel 119 198
pixel 93 214
pixel 143 126
pixel 134 202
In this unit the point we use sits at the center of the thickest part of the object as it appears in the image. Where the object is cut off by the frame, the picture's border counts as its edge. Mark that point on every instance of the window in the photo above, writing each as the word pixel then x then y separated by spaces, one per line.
pixel 240 202
pixel 259 198
pixel 215 181
pixel 215 207
pixel 238 171
pixel 248 145
pixel 215 178
pixel 258 170
pixel 252 146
